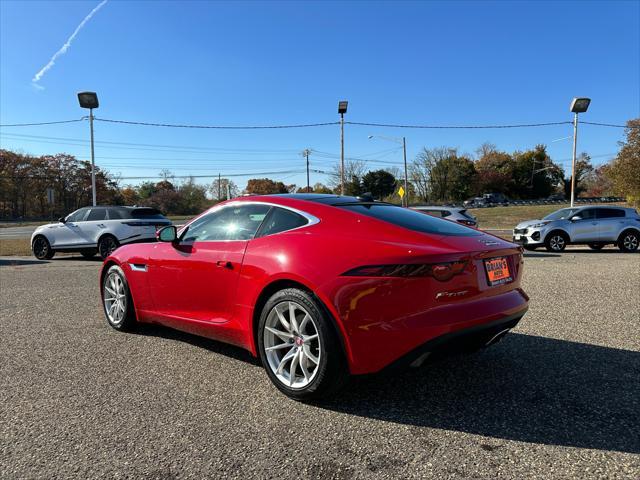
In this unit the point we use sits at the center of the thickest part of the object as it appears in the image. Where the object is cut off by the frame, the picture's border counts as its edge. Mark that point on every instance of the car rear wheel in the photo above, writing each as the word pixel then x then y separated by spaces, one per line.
pixel 42 248
pixel 629 241
pixel 107 245
pixel 556 242
pixel 117 301
pixel 299 347
pixel 596 246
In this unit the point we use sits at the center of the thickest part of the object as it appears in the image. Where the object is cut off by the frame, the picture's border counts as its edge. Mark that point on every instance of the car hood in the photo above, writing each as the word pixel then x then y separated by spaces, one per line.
pixel 46 226
pixel 528 223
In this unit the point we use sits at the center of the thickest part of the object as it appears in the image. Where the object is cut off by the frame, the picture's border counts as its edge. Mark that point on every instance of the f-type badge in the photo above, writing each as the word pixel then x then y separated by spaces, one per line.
pixel 441 295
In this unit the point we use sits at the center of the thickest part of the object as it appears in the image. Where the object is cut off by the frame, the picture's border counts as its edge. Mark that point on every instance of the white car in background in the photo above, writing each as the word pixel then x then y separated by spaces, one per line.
pixel 92 230
pixel 454 214
pixel 596 227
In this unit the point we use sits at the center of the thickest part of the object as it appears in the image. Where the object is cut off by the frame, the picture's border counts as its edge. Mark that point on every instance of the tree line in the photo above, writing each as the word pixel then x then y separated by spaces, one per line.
pixel 53 185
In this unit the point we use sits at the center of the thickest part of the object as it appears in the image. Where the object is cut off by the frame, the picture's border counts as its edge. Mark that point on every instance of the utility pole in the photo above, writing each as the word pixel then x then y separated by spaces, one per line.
pixel 93 160
pixel 219 187
pixel 578 105
pixel 573 161
pixel 305 153
pixel 406 181
pixel 342 109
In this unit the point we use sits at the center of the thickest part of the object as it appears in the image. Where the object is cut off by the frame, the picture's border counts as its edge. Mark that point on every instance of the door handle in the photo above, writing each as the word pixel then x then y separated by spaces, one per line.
pixel 225 264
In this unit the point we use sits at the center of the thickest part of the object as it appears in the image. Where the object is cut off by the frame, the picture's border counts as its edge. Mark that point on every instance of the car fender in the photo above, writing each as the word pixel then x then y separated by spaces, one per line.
pixel 252 315
pixel 557 229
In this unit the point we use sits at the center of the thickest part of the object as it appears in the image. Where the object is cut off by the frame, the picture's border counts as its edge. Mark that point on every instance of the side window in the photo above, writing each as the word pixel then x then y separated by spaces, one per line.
pixel 97 214
pixel 77 216
pixel 610 213
pixel 240 222
pixel 115 214
pixel 280 220
pixel 588 214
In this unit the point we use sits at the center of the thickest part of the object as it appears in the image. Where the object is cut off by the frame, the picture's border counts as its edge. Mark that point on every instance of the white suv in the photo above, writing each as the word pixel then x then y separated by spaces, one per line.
pixel 593 226
pixel 92 230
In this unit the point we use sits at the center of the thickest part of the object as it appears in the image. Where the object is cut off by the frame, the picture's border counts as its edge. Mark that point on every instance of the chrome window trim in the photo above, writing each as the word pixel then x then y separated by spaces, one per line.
pixel 312 220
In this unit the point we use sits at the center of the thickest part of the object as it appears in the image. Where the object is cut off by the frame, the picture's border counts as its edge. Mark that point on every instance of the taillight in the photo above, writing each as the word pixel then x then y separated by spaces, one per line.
pixel 439 271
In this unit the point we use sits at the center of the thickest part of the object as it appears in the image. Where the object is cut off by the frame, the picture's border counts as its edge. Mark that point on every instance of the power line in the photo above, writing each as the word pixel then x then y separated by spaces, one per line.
pixel 521 125
pixel 41 123
pixel 220 127
pixel 609 125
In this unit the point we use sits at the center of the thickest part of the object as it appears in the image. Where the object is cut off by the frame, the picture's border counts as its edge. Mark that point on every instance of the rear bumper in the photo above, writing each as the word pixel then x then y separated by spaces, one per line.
pixel 460 340
pixel 377 345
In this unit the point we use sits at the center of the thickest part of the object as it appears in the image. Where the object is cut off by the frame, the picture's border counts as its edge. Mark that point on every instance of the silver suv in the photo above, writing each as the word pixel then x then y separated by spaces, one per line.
pixel 593 226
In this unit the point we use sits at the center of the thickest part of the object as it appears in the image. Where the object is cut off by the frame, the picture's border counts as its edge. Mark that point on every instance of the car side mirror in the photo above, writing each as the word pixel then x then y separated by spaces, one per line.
pixel 62 220
pixel 575 218
pixel 167 234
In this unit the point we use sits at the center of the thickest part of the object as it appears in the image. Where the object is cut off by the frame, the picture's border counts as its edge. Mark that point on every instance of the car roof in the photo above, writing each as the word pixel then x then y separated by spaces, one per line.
pixel 327 199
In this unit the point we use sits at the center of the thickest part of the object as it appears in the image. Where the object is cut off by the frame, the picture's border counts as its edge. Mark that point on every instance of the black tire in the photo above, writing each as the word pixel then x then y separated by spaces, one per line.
pixel 596 246
pixel 556 241
pixel 629 241
pixel 530 248
pixel 124 320
pixel 331 372
pixel 89 253
pixel 106 245
pixel 42 248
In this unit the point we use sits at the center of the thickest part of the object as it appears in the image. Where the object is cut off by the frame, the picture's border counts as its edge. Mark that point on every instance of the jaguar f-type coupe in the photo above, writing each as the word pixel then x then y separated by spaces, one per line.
pixel 320 287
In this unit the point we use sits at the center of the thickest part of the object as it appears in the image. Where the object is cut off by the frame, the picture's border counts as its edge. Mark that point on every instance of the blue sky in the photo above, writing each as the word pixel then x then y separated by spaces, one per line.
pixel 265 63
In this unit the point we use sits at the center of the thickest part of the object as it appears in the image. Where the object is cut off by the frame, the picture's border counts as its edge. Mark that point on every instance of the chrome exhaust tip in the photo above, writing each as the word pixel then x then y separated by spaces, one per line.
pixel 497 337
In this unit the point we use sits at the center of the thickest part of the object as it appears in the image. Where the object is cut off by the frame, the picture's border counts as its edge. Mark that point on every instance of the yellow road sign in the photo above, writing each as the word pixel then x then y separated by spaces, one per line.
pixel 401 192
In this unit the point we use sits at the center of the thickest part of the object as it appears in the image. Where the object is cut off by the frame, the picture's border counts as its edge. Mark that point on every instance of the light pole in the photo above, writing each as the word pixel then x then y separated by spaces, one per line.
pixel 578 105
pixel 402 141
pixel 305 153
pixel 342 109
pixel 90 100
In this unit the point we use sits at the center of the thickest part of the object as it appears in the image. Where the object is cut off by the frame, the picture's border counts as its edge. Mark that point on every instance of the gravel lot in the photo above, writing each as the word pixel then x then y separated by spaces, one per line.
pixel 559 398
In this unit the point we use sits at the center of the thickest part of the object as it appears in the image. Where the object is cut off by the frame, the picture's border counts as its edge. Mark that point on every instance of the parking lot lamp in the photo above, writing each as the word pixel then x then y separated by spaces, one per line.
pixel 90 100
pixel 342 109
pixel 578 105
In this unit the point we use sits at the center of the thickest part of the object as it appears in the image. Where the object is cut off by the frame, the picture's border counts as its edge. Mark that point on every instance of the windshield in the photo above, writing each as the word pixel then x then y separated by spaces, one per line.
pixel 563 214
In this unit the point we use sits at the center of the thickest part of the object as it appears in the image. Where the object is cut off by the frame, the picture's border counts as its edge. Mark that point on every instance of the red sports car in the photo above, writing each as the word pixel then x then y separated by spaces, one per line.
pixel 320 286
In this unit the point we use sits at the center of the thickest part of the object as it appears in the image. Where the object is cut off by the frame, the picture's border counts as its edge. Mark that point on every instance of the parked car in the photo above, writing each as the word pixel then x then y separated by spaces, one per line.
pixel 101 229
pixel 595 226
pixel 455 214
pixel 496 198
pixel 320 286
pixel 476 202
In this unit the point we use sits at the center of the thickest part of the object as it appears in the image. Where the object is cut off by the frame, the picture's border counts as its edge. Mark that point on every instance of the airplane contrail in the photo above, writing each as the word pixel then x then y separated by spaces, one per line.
pixel 64 47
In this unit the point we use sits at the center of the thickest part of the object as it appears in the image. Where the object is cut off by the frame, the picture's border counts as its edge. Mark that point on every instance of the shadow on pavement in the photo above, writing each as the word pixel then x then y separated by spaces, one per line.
pixel 225 349
pixel 526 388
pixel 540 255
pixel 5 262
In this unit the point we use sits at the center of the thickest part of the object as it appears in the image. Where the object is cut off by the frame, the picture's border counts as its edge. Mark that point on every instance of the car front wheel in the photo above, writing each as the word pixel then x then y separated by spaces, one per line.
pixel 629 241
pixel 299 347
pixel 42 248
pixel 117 301
pixel 556 242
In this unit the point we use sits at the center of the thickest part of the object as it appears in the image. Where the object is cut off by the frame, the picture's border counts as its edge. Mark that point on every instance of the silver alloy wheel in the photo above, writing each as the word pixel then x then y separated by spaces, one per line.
pixel 115 299
pixel 557 242
pixel 630 242
pixel 292 344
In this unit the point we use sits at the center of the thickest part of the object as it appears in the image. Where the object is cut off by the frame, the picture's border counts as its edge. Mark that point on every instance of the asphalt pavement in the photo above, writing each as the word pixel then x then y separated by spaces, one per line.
pixel 16 232
pixel 558 398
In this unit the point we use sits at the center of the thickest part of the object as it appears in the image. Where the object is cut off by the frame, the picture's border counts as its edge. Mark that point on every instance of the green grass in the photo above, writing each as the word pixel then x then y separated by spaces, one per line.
pixel 15 246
